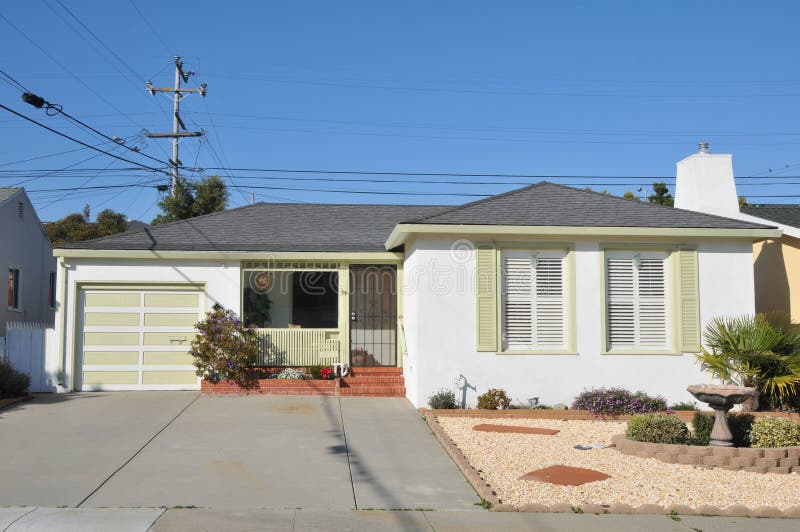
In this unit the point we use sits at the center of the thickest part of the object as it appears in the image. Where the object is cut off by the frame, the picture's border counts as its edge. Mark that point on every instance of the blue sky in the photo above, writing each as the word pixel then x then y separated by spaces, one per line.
pixel 526 87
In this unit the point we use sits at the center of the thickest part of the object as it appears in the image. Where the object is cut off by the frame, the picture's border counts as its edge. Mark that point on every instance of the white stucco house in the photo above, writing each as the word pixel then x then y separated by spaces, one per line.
pixel 542 291
pixel 26 257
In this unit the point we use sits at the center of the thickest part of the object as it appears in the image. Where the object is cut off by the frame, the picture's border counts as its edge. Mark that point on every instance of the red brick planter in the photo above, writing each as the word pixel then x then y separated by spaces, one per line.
pixel 274 387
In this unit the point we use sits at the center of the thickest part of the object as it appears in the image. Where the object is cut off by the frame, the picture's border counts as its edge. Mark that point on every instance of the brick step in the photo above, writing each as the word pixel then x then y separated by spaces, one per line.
pixel 345 393
pixel 373 379
pixel 369 372
pixel 374 389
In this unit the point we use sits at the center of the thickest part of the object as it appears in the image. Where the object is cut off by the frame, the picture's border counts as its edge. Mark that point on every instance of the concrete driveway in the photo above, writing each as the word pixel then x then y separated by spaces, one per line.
pixel 151 449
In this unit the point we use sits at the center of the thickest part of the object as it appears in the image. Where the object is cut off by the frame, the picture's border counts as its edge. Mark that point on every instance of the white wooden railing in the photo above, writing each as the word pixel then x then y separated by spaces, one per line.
pixel 299 347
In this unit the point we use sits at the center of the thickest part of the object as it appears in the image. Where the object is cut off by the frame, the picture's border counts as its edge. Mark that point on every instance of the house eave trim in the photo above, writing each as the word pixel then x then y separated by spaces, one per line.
pixel 338 256
pixel 401 232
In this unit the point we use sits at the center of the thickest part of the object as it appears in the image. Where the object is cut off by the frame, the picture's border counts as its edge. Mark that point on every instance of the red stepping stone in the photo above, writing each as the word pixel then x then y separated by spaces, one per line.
pixel 565 475
pixel 511 428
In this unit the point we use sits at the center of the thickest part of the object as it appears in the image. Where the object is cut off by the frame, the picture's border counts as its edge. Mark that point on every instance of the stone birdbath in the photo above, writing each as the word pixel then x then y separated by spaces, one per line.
pixel 721 397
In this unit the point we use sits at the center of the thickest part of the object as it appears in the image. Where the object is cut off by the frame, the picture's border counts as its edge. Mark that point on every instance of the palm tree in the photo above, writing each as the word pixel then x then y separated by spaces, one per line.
pixel 761 351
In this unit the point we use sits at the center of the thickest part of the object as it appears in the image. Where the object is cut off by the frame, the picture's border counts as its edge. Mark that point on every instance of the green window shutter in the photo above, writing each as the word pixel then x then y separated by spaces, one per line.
pixel 486 309
pixel 688 302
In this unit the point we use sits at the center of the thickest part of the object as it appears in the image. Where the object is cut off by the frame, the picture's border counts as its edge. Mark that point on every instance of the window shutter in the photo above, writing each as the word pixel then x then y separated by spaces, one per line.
pixel 550 319
pixel 518 304
pixel 486 284
pixel 652 305
pixel 621 297
pixel 636 295
pixel 689 302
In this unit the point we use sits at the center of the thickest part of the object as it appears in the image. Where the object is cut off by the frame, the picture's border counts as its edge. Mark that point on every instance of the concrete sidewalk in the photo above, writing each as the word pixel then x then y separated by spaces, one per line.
pixel 199 520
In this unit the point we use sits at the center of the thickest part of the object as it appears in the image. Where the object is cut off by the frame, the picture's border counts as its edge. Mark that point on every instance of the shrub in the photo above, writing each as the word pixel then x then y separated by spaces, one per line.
pixel 443 399
pixel 685 405
pixel 657 428
pixel 739 423
pixel 291 373
pixel 775 432
pixel 612 402
pixel 224 349
pixel 13 383
pixel 494 399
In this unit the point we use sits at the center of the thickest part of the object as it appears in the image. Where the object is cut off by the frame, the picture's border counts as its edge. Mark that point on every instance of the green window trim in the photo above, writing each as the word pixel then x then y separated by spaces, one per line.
pixel 489 312
pixel 684 299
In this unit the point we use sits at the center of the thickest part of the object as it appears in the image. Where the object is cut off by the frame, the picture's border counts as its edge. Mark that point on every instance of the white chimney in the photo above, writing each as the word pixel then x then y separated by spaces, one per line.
pixel 705 183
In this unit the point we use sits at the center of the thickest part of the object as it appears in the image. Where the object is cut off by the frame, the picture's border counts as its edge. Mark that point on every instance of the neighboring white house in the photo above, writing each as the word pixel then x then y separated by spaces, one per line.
pixel 542 291
pixel 26 258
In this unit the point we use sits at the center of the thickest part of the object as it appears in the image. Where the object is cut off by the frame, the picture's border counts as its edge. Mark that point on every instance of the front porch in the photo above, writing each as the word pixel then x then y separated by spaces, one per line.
pixel 318 314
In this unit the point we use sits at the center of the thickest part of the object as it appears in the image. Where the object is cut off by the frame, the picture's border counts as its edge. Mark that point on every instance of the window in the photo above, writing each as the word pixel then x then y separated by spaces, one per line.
pixel 534 300
pixel 51 294
pixel 286 299
pixel 13 288
pixel 637 301
pixel 21 210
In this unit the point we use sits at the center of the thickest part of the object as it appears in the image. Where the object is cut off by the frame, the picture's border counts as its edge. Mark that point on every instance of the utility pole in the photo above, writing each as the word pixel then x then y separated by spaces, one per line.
pixel 176 134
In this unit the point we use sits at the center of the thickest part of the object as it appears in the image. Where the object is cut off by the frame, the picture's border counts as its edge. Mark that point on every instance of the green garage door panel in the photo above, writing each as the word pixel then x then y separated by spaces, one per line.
pixel 111 338
pixel 175 339
pixel 172 300
pixel 169 377
pixel 110 377
pixel 172 358
pixel 116 299
pixel 170 319
pixel 110 358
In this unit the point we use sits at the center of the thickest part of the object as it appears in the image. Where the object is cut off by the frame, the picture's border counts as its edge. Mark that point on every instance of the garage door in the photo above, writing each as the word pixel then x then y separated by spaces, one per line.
pixel 138 339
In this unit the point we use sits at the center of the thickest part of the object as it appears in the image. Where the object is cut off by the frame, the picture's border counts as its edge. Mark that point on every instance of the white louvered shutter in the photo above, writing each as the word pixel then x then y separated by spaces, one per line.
pixel 636 292
pixel 534 309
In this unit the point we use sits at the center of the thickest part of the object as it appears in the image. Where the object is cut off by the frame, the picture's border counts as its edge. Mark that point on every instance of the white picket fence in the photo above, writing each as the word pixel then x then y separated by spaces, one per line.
pixel 27 345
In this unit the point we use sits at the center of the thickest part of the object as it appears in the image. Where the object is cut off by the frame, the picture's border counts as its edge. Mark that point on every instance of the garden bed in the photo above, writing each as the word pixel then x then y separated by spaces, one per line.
pixel 496 461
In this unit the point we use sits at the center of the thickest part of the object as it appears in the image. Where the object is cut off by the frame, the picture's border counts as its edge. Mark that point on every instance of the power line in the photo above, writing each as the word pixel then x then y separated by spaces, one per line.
pixel 73 139
pixel 150 27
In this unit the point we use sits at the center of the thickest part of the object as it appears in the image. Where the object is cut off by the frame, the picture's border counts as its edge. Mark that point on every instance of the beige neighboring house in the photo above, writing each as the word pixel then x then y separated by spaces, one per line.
pixel 705 183
pixel 26 257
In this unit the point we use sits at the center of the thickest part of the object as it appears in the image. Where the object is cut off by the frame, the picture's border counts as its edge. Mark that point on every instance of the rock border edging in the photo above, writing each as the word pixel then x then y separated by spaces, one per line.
pixel 781 460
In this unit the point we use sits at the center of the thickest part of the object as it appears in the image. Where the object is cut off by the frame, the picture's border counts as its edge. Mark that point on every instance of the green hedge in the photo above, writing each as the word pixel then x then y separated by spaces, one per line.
pixel 775 432
pixel 657 428
pixel 739 424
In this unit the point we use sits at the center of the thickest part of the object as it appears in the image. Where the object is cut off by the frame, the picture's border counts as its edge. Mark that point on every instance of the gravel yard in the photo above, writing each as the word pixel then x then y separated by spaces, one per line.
pixel 502 458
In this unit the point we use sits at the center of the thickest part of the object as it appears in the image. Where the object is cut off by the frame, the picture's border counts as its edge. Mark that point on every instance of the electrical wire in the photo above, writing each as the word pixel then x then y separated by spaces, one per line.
pixel 73 139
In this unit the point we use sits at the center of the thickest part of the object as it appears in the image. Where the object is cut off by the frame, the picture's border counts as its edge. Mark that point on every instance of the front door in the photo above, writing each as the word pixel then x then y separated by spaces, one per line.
pixel 373 315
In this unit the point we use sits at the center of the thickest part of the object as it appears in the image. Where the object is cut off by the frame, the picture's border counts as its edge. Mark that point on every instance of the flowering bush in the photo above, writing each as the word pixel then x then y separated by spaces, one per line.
pixel 291 373
pixel 612 402
pixel 494 399
pixel 319 372
pixel 224 349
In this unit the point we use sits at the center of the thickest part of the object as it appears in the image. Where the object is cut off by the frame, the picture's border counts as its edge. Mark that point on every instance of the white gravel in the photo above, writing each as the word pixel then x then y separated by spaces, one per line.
pixel 502 458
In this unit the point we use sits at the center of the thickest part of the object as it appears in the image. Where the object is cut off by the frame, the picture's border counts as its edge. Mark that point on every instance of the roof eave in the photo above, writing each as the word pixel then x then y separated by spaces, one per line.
pixel 401 232
pixel 138 254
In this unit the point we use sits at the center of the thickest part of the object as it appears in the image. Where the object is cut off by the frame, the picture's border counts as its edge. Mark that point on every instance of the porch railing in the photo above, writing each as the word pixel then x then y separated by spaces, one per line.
pixel 299 347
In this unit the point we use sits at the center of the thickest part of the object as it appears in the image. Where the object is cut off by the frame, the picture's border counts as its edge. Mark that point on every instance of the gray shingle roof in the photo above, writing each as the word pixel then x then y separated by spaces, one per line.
pixel 7 192
pixel 274 227
pixel 294 227
pixel 780 213
pixel 548 204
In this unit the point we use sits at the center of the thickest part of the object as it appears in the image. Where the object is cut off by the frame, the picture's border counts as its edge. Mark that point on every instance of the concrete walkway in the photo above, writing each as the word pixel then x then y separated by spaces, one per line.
pixel 167 449
pixel 200 520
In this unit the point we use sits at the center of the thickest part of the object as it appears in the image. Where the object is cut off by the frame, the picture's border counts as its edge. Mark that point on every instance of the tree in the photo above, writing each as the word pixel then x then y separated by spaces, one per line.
pixel 76 227
pixel 192 199
pixel 743 202
pixel 762 351
pixel 631 196
pixel 661 195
